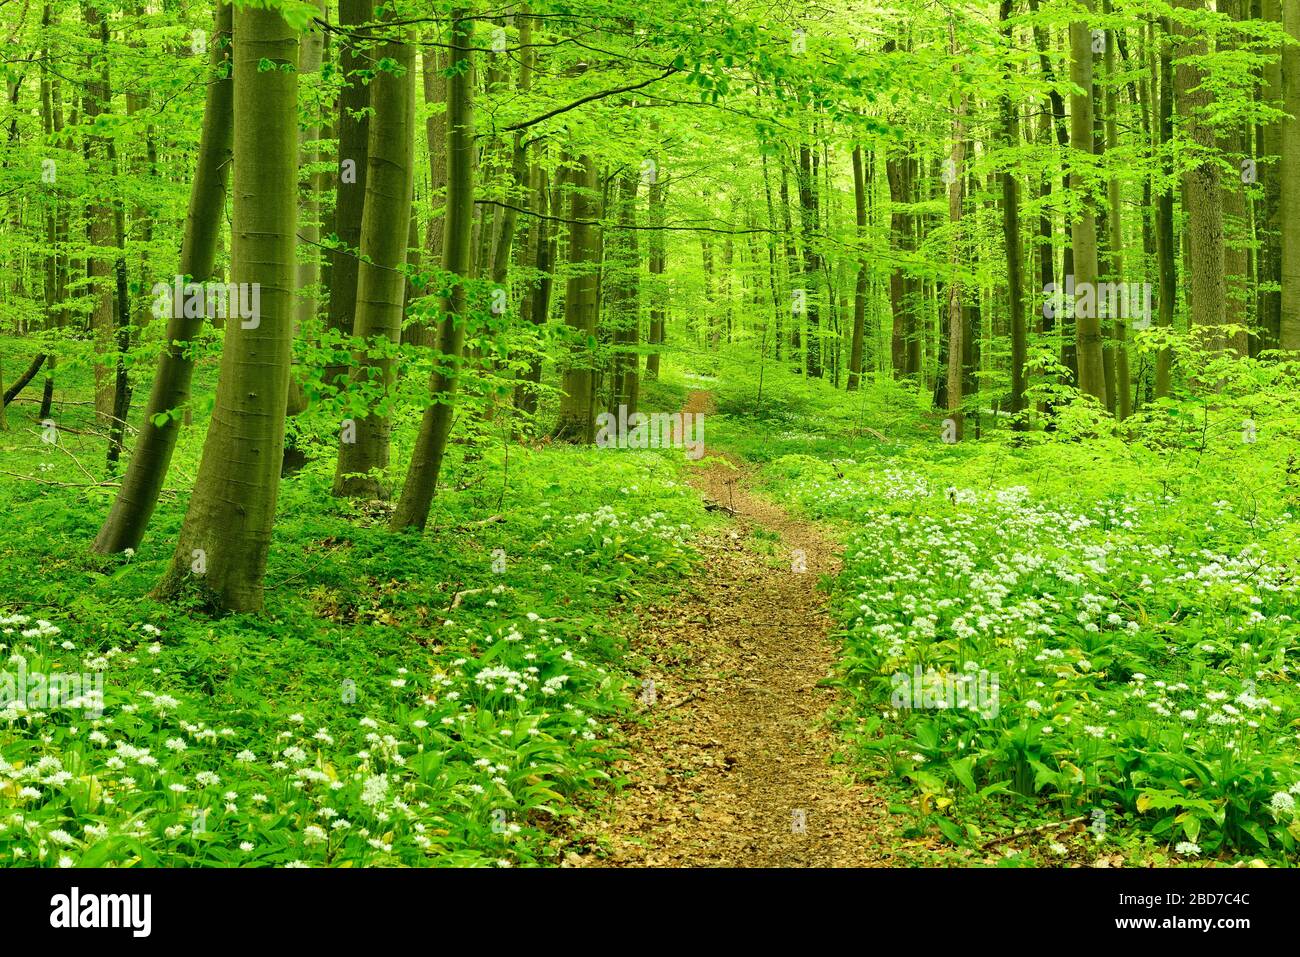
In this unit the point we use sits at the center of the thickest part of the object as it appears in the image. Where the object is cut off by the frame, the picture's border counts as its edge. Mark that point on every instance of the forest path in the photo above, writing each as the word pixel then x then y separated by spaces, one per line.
pixel 729 765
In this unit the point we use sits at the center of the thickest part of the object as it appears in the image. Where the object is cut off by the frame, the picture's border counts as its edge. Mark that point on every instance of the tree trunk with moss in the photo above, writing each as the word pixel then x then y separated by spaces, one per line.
pixel 226 534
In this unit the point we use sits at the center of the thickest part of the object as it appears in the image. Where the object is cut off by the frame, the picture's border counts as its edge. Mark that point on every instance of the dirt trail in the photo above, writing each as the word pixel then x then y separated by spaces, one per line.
pixel 731 764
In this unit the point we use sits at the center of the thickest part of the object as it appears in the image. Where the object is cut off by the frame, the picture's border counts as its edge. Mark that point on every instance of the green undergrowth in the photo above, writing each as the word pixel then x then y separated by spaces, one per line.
pixel 1037 629
pixel 405 701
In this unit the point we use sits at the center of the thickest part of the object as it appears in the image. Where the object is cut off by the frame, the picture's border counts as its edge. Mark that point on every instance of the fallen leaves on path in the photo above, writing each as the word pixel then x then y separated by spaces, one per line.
pixel 731 763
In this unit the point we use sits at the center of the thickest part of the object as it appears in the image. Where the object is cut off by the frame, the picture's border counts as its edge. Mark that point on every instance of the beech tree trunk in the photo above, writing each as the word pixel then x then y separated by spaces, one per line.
pixel 1092 373
pixel 353 125
pixel 860 283
pixel 100 231
pixel 1166 250
pixel 1269 212
pixel 380 282
pixel 535 306
pixel 656 264
pixel 812 265
pixel 129 516
pixel 1289 331
pixel 1011 241
pixel 1202 190
pixel 226 534
pixel 576 423
pixel 311 52
pixel 957 344
pixel 623 296
pixel 1122 399
pixel 435 426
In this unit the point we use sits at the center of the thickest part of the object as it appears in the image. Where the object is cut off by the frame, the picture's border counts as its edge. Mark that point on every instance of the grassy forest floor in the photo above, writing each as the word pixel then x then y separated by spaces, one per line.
pixel 481 695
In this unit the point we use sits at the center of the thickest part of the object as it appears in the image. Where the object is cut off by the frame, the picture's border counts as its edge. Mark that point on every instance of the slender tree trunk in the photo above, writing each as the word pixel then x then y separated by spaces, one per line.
pixel 811 260
pixel 656 264
pixel 121 332
pixel 860 283
pixel 1092 375
pixel 129 517
pixel 507 221
pixel 1011 238
pixel 956 329
pixel 1289 331
pixel 536 304
pixel 1121 399
pixel 772 270
pixel 51 272
pixel 1268 213
pixel 580 307
pixel 353 125
pixel 97 102
pixel 424 332
pixel 622 270
pixel 728 300
pixel 363 448
pixel 435 427
pixel 791 261
pixel 55 219
pixel 896 170
pixel 1166 250
pixel 310 53
pixel 1236 225
pixel 914 286
pixel 1060 125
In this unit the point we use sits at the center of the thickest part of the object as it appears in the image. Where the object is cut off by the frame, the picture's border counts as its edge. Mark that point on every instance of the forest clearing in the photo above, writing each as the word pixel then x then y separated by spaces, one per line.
pixel 604 436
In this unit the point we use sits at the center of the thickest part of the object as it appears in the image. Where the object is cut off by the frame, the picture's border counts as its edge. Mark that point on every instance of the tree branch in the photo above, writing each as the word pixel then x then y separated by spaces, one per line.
pixel 588 99
pixel 25 378
pixel 605 225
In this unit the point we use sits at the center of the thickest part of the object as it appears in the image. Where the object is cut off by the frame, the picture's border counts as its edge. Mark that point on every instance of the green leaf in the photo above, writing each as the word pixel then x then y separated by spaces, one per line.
pixel 951 830
pixel 961 769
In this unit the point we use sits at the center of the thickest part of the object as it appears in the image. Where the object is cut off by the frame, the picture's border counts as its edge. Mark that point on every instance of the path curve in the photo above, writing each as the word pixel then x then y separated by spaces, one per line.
pixel 730 766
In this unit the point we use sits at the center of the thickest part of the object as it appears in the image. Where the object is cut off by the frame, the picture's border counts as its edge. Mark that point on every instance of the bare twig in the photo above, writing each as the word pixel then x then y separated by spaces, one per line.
pixel 84 471
pixel 480 523
pixel 1034 830
pixel 462 595
pixel 54 484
